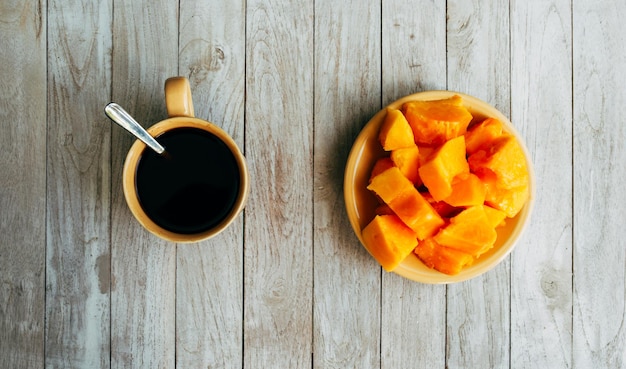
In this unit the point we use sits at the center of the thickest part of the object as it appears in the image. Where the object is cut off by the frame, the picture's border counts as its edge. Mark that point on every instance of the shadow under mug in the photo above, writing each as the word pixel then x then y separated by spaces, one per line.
pixel 181 117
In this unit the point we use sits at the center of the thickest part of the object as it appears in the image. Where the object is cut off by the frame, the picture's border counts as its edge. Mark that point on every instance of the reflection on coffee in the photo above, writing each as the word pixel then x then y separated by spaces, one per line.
pixel 192 188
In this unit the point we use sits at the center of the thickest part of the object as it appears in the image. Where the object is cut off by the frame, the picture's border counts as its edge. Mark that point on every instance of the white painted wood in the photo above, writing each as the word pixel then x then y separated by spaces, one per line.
pixel 278 259
pixel 478 311
pixel 541 109
pixel 143 268
pixel 413 329
pixel 78 186
pixel 599 175
pixel 209 275
pixel 22 183
pixel 347 94
pixel 413 48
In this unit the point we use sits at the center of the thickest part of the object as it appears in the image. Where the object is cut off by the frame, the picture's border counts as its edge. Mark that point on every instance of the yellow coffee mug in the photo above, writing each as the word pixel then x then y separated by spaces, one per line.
pixel 198 187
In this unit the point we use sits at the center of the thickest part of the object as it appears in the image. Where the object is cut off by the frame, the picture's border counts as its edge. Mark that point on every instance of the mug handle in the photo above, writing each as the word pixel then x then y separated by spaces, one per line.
pixel 178 97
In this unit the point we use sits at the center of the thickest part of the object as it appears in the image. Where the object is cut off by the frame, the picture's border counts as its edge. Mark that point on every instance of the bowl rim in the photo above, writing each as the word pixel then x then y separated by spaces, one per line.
pixel 407 268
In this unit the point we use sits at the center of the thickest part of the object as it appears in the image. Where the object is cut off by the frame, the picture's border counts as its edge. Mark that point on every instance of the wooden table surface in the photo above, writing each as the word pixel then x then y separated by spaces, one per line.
pixel 82 285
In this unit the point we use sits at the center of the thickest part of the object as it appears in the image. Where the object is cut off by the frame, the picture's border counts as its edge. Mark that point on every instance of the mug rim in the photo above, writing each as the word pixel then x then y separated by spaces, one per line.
pixel 130 170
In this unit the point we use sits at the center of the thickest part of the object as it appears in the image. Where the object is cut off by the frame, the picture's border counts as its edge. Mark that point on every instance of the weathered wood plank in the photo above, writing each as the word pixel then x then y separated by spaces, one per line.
pixel 278 220
pixel 22 183
pixel 78 255
pixel 599 175
pixel 347 94
pixel 478 318
pixel 209 283
pixel 413 329
pixel 143 267
pixel 541 109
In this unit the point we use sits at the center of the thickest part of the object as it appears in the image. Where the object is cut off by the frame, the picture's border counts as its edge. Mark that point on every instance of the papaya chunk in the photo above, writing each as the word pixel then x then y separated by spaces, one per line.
pixel 496 217
pixel 395 133
pixel 417 213
pixel 442 166
pixel 508 200
pixel 380 166
pixel 389 240
pixel 482 135
pixel 441 258
pixel 503 170
pixel 435 122
pixel 390 184
pixel 407 160
pixel 406 202
pixel 467 190
pixel 470 231
pixel 505 158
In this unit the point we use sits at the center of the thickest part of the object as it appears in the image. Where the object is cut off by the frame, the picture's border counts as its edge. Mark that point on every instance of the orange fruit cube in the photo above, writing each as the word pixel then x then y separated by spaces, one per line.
pixel 505 158
pixel 467 190
pixel 395 133
pixel 388 240
pixel 380 166
pixel 441 258
pixel 496 217
pixel 482 135
pixel 417 214
pixel 470 231
pixel 406 202
pixel 407 160
pixel 390 184
pixel 442 166
pixel 435 122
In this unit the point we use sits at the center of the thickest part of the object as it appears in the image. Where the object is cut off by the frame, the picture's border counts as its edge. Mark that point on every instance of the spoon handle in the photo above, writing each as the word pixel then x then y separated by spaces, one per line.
pixel 117 114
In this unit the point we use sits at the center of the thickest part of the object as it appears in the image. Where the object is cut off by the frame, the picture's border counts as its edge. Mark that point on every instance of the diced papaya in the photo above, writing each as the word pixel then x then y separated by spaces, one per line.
pixel 467 190
pixel 441 258
pixel 395 133
pixel 390 184
pixel 508 200
pixel 407 160
pixel 505 158
pixel 470 231
pixel 482 135
pixel 406 202
pixel 495 216
pixel 442 166
pixel 380 166
pixel 417 213
pixel 389 240
pixel 435 122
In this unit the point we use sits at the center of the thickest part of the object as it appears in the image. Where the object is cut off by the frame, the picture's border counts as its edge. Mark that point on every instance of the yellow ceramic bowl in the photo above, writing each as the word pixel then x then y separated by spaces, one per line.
pixel 361 203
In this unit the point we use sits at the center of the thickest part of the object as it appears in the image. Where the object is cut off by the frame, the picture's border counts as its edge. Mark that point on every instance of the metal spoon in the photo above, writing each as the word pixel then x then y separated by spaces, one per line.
pixel 120 116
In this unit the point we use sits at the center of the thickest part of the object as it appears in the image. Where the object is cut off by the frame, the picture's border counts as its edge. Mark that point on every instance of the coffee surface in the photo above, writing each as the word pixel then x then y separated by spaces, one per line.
pixel 191 188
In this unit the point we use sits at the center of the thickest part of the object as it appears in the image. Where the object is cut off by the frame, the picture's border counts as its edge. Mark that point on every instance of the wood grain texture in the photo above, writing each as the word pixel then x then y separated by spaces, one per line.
pixel 347 94
pixel 413 329
pixel 278 221
pixel 22 183
pixel 78 255
pixel 413 48
pixel 209 275
pixel 599 313
pixel 143 267
pixel 478 315
pixel 541 109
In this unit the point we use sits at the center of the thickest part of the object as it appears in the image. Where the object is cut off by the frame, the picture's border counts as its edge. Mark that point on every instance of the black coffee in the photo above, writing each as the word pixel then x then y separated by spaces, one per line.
pixel 191 188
